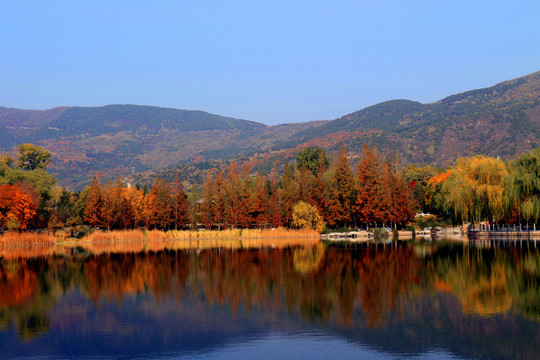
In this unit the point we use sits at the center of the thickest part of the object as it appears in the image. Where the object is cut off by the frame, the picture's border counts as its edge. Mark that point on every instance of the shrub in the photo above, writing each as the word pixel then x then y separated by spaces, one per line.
pixel 379 233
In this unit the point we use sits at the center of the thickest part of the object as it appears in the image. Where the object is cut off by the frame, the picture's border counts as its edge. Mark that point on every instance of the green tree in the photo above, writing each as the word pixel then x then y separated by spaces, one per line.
pixel 32 157
pixel 341 199
pixel 289 193
pixel 6 160
pixel 522 186
pixel 308 158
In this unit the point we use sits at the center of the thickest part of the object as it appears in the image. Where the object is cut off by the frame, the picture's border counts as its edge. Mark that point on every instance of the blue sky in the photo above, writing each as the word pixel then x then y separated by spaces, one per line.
pixel 272 62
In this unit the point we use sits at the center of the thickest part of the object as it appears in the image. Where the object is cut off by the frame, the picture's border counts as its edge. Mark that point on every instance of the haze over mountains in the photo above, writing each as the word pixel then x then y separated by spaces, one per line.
pixel 501 120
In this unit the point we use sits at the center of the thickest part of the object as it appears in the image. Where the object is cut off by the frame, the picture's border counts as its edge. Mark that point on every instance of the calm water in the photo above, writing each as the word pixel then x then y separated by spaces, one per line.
pixel 415 300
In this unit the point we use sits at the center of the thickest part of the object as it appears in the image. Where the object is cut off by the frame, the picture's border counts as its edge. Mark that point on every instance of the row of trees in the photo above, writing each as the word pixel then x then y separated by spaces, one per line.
pixel 476 189
pixel 377 194
pixel 321 190
pixel 481 188
pixel 115 206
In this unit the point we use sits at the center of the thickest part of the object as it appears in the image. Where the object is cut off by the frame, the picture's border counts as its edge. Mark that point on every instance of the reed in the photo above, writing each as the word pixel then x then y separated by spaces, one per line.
pixel 116 236
pixel 28 239
pixel 156 240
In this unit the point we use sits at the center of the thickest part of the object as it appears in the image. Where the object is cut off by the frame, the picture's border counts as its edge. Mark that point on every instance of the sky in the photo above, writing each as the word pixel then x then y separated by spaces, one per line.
pixel 266 61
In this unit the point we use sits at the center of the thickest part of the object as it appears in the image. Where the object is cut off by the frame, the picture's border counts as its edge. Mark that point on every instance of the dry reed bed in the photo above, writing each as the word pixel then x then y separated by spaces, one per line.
pixel 157 235
pixel 28 239
pixel 117 236
pixel 15 245
pixel 155 240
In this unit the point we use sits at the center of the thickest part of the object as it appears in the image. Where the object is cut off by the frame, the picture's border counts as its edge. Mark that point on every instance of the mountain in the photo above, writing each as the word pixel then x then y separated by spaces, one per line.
pixel 115 140
pixel 501 120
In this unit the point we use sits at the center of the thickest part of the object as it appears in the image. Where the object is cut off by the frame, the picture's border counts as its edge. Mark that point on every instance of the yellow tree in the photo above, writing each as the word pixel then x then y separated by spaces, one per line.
pixel 306 216
pixel 474 190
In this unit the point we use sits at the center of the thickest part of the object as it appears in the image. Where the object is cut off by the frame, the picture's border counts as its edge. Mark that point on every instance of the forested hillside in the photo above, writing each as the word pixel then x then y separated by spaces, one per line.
pixel 498 121
pixel 116 140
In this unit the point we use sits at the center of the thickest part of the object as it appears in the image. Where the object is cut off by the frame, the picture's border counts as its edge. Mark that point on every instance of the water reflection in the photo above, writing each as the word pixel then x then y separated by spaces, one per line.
pixel 402 299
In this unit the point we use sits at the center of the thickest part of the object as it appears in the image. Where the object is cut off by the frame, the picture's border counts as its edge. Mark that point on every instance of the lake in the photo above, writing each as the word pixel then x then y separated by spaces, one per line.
pixel 422 300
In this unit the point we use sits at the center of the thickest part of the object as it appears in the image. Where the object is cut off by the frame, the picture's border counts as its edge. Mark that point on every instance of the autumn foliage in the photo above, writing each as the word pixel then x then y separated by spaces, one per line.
pixel 229 198
pixel 114 206
pixel 16 207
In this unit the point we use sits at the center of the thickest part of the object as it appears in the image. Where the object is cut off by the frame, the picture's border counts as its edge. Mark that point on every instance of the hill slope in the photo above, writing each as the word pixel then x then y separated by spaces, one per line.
pixel 501 120
pixel 116 139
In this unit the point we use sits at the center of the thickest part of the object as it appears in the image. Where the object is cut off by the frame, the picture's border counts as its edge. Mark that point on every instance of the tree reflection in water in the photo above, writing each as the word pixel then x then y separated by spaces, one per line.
pixel 332 284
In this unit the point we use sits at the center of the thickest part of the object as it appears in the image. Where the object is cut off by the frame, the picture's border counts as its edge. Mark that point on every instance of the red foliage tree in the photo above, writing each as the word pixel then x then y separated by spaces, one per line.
pixel 15 204
pixel 93 212
pixel 368 178
pixel 180 204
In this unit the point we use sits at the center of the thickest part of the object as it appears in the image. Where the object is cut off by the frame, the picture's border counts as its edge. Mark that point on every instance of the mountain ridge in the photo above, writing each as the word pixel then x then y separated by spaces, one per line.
pixel 501 120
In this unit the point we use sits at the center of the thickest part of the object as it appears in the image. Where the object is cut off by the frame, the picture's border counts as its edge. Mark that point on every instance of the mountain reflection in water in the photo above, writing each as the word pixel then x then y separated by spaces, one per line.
pixel 428 300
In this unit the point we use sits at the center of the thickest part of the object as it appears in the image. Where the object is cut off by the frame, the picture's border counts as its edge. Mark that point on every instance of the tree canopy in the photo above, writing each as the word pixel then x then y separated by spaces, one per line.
pixel 33 157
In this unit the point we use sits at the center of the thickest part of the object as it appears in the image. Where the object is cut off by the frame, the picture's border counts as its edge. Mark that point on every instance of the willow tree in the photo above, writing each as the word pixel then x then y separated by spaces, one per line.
pixel 522 187
pixel 474 190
